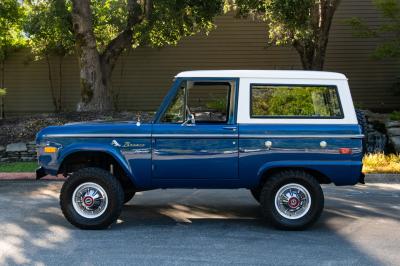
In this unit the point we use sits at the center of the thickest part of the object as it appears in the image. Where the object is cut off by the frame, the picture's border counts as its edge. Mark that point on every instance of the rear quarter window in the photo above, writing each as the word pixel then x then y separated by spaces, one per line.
pixel 294 101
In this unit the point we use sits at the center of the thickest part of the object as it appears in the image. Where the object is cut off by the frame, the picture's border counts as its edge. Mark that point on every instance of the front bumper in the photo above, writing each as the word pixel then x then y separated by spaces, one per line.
pixel 40 172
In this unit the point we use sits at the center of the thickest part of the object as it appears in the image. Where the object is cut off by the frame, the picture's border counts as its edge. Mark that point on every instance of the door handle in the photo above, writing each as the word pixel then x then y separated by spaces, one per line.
pixel 230 128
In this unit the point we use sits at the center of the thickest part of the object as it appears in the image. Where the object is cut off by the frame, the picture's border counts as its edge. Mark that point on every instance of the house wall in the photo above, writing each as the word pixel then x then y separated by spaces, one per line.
pixel 143 76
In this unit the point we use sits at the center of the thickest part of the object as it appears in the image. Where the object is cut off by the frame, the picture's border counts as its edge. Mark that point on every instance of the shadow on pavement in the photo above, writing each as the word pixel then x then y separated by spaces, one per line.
pixel 186 227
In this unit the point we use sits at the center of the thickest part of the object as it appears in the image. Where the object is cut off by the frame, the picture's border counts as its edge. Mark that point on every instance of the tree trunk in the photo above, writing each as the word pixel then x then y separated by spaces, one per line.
pixel 95 93
pixel 95 68
pixel 2 112
pixel 312 54
pixel 60 61
pixel 50 76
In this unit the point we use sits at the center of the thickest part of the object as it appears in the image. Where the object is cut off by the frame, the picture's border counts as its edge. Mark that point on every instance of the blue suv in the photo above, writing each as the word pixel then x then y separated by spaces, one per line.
pixel 279 134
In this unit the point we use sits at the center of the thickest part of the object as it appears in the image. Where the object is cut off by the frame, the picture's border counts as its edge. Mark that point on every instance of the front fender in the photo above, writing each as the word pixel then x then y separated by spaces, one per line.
pixel 96 147
pixel 339 172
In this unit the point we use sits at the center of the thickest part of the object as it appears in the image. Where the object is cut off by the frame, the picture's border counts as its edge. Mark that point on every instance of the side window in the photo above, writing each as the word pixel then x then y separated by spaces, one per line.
pixel 176 112
pixel 209 101
pixel 295 101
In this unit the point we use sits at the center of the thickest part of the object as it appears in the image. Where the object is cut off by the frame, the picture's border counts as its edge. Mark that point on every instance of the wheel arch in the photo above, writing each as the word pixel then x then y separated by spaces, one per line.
pixel 104 159
pixel 266 172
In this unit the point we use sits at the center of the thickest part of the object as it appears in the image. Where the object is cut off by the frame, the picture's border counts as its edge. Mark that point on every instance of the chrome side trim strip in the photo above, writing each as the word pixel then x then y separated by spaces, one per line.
pixel 98 135
pixel 245 136
pixel 338 136
pixel 195 135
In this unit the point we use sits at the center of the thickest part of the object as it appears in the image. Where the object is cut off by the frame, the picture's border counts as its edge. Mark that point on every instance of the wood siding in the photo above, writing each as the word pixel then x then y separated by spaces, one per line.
pixel 142 77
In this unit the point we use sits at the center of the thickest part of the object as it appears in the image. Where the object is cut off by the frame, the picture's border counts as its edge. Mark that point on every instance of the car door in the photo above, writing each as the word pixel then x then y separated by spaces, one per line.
pixel 196 138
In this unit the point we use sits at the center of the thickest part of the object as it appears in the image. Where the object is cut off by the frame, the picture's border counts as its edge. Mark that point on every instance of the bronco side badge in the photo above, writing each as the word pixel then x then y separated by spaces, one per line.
pixel 115 143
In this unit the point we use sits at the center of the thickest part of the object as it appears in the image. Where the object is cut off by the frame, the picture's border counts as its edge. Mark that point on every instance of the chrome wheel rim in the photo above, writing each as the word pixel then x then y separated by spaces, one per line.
pixel 90 200
pixel 292 201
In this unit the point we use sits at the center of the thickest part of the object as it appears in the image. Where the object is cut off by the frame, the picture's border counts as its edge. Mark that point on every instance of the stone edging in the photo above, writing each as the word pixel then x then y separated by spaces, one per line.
pixel 382 178
pixel 27 176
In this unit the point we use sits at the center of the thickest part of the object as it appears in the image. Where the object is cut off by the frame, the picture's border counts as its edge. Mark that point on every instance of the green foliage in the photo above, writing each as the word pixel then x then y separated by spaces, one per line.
pixel 3 92
pixel 48 26
pixel 389 30
pixel 395 116
pixel 11 36
pixel 294 101
pixel 219 104
pixel 288 21
pixel 304 24
pixel 109 19
pixel 175 111
pixel 381 163
pixel 173 19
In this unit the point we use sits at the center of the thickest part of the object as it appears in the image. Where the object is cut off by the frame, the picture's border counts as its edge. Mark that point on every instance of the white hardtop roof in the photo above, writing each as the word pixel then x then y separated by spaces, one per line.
pixel 276 74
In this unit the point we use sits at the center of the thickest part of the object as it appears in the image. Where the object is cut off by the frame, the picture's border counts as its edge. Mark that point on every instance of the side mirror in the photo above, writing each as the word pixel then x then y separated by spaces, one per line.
pixel 192 120
pixel 189 120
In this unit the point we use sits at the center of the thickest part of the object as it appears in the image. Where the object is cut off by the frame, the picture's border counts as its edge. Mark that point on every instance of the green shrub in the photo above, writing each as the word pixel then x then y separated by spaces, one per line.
pixel 3 91
pixel 381 163
pixel 395 116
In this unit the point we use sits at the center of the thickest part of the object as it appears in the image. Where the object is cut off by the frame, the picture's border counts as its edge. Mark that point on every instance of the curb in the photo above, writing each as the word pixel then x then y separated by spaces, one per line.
pixel 28 176
pixel 369 178
pixel 382 178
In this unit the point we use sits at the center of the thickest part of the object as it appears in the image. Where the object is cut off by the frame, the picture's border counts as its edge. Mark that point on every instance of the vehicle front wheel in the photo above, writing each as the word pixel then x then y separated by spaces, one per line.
pixel 91 198
pixel 292 200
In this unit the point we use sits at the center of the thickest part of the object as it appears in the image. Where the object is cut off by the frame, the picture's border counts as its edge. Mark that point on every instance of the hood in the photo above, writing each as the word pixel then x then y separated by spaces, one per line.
pixel 99 128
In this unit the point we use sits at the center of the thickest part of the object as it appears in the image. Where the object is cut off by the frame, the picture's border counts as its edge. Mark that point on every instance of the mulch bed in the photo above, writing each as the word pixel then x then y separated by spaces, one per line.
pixel 24 128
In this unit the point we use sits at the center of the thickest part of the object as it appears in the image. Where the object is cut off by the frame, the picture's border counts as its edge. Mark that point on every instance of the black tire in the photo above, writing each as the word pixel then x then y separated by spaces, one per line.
pixel 256 192
pixel 108 183
pixel 363 122
pixel 279 180
pixel 128 195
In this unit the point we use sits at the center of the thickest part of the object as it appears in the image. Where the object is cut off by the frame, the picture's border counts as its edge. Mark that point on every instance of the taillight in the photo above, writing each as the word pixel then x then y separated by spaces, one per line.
pixel 345 151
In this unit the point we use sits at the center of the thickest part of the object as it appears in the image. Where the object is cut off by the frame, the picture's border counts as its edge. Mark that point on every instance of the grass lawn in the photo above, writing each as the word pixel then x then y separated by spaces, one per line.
pixel 373 163
pixel 18 167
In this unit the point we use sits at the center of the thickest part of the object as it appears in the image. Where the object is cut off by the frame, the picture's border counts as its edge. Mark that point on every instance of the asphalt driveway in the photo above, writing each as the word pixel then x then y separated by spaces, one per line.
pixel 360 226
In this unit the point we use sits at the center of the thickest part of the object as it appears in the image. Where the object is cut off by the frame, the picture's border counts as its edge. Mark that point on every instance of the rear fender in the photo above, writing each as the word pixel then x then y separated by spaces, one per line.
pixel 339 172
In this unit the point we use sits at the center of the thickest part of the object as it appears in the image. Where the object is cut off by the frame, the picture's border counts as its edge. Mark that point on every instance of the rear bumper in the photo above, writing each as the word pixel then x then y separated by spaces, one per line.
pixel 40 172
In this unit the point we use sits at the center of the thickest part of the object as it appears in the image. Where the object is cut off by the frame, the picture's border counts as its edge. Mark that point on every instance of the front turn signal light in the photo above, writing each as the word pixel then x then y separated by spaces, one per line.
pixel 49 149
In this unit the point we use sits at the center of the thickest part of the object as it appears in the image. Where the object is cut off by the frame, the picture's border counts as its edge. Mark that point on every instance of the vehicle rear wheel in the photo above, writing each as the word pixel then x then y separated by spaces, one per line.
pixel 128 195
pixel 91 198
pixel 292 200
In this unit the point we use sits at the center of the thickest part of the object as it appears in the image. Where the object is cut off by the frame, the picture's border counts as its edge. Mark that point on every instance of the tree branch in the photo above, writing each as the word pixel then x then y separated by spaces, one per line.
pixel 125 38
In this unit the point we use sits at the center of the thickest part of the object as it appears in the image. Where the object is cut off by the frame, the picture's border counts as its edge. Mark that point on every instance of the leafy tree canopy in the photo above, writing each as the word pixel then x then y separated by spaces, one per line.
pixel 11 37
pixel 49 23
pixel 287 20
pixel 48 26
pixel 304 24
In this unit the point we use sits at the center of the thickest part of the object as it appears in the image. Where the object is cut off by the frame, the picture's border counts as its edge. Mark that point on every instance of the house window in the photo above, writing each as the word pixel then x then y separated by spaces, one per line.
pixel 294 101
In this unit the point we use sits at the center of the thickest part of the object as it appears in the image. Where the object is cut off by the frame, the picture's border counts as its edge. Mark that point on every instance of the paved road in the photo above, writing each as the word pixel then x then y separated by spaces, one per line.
pixel 360 226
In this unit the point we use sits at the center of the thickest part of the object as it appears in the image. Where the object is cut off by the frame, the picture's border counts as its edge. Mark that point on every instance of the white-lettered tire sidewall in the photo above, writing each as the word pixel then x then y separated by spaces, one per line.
pixel 108 183
pixel 272 214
